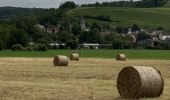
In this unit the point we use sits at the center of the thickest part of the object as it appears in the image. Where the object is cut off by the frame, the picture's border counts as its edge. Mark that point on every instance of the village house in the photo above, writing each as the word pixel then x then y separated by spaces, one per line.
pixel 89 46
pixel 164 37
pixel 83 24
pixel 48 29
pixel 53 29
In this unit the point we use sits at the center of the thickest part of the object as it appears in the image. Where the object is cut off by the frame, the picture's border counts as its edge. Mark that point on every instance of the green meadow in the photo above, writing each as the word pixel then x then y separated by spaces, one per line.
pixel 131 54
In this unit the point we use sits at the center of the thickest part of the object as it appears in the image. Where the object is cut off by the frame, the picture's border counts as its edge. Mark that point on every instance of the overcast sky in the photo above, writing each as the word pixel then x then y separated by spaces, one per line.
pixel 42 3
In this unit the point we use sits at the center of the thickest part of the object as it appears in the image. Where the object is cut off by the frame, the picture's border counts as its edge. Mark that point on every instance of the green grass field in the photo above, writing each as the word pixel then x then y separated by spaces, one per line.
pixel 153 17
pixel 131 54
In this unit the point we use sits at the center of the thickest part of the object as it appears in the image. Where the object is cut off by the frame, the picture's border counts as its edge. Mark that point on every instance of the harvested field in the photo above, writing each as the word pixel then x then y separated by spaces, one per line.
pixel 88 79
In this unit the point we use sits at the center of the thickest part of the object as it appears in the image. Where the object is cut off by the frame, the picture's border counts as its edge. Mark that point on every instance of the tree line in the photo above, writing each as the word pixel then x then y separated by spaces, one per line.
pixel 18 30
pixel 131 3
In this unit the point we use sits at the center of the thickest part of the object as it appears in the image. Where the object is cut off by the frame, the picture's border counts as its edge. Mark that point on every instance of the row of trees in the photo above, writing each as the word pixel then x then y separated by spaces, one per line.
pixel 131 3
pixel 18 32
pixel 23 31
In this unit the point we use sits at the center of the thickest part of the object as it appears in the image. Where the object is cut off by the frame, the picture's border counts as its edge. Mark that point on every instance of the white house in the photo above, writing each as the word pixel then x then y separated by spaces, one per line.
pixel 164 37
pixel 90 45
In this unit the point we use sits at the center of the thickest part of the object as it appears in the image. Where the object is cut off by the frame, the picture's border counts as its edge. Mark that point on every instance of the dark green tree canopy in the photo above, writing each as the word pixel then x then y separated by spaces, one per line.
pixel 68 5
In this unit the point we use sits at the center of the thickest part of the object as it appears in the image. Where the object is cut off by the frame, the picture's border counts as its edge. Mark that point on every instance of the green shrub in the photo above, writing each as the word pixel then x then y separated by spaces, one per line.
pixel 40 47
pixel 17 47
pixel 1 47
pixel 72 44
pixel 29 49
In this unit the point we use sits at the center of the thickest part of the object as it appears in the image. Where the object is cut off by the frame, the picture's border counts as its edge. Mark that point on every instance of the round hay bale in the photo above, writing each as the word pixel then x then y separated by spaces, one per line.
pixel 61 60
pixel 74 56
pixel 121 57
pixel 138 82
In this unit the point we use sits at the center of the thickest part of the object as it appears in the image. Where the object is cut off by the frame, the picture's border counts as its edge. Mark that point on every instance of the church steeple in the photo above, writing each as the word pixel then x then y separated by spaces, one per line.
pixel 83 23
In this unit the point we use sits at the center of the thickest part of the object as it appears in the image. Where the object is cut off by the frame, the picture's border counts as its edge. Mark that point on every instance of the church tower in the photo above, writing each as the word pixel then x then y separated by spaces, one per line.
pixel 82 23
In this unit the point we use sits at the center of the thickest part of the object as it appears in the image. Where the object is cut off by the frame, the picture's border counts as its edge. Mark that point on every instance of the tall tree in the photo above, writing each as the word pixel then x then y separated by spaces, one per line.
pixel 17 36
pixel 68 5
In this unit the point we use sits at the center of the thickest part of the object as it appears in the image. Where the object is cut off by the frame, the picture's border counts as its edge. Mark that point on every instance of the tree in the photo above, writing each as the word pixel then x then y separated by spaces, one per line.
pixel 108 38
pixel 17 47
pixel 43 41
pixel 26 23
pixel 4 34
pixel 153 3
pixel 117 44
pixel 92 36
pixel 96 26
pixel 121 44
pixel 40 47
pixel 50 17
pixel 76 29
pixel 68 5
pixel 97 4
pixel 135 27
pixel 72 44
pixel 143 36
pixel 63 37
pixel 119 29
pixel 17 36
pixel 1 47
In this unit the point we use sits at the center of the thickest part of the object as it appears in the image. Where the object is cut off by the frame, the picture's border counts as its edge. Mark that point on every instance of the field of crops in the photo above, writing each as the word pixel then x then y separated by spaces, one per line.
pixel 144 17
pixel 131 54
pixel 88 79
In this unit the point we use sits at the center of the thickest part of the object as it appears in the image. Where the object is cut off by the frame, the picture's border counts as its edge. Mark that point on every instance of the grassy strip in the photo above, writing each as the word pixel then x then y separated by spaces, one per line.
pixel 131 54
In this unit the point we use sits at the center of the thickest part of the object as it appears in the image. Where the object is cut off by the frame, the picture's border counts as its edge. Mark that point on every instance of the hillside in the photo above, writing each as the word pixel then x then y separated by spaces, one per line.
pixel 153 17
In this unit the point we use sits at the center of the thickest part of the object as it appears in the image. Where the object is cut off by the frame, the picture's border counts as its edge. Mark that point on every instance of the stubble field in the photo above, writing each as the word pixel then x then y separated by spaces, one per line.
pixel 88 79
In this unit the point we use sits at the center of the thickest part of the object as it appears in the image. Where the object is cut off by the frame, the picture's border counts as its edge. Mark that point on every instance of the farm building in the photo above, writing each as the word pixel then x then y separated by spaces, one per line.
pixel 89 46
pixel 53 29
pixel 41 27
pixel 164 37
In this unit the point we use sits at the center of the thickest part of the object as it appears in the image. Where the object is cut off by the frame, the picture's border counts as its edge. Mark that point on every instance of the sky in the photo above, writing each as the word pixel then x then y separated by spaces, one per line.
pixel 43 3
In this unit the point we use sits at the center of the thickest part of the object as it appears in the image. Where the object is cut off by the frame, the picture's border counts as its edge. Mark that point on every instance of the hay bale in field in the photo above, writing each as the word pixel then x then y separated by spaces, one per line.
pixel 137 82
pixel 61 60
pixel 74 56
pixel 121 57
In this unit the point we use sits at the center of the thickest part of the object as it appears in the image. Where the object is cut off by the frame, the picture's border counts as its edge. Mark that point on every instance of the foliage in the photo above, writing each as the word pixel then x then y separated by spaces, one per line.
pixel 64 36
pixel 143 36
pixel 135 27
pixel 153 3
pixel 72 44
pixel 142 3
pixel 100 18
pixel 43 41
pixel 68 5
pixel 17 29
pixel 120 44
pixel 120 29
pixel 1 47
pixel 40 47
pixel 17 36
pixel 4 34
pixel 91 36
pixel 29 49
pixel 160 45
pixel 50 17
pixel 76 30
pixel 17 47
